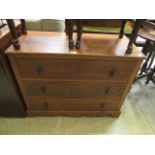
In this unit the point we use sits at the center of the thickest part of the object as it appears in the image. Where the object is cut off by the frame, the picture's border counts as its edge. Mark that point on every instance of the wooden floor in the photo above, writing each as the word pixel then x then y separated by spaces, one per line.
pixel 137 117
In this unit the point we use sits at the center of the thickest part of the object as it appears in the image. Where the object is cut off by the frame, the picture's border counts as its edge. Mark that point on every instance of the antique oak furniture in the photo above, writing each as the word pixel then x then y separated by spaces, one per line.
pixel 133 36
pixel 89 22
pixel 147 31
pixel 55 80
pixel 11 101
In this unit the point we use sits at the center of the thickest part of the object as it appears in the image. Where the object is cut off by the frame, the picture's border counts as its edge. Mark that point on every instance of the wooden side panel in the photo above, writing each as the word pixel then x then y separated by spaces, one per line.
pixel 10 103
pixel 17 76
pixel 131 79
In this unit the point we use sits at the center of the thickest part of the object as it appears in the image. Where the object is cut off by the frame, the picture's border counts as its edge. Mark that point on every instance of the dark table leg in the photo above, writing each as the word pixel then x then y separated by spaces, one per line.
pixel 14 34
pixel 23 26
pixel 146 48
pixel 66 26
pixel 70 33
pixel 133 37
pixel 121 33
pixel 79 33
pixel 150 76
pixel 145 64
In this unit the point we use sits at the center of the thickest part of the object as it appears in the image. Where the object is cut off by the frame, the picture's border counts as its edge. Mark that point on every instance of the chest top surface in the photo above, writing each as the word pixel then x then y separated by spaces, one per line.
pixel 56 43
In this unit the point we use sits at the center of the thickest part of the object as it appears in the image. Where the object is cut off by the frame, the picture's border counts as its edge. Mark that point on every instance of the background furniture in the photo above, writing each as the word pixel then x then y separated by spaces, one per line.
pixel 89 22
pixel 11 101
pixel 147 31
pixel 45 25
pixel 2 24
pixel 133 36
pixel 108 26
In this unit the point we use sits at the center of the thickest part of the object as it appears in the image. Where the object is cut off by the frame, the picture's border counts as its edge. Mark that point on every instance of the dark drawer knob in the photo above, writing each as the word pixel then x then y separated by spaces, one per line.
pixel 102 105
pixel 113 72
pixel 107 90
pixel 39 69
pixel 43 89
pixel 45 105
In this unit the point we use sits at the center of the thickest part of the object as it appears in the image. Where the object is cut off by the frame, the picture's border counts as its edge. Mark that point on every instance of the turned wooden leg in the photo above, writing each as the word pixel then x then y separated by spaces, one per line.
pixel 23 27
pixel 133 36
pixel 66 26
pixel 70 33
pixel 121 33
pixel 79 33
pixel 14 34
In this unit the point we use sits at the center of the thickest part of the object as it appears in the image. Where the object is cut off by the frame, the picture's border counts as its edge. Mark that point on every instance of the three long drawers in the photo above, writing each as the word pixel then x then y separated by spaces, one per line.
pixel 73 84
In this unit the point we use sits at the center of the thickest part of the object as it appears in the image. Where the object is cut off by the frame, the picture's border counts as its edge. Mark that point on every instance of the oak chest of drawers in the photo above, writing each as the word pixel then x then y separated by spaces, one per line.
pixel 54 80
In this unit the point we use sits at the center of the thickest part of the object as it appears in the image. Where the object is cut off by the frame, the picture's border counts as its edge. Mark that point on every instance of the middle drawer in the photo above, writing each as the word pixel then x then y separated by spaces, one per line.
pixel 74 89
pixel 107 70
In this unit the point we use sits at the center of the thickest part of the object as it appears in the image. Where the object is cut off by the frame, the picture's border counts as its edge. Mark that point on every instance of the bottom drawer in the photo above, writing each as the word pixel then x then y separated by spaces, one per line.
pixel 41 103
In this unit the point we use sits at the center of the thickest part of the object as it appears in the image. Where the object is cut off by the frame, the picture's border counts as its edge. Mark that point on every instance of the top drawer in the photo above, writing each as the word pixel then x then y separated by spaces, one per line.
pixel 107 70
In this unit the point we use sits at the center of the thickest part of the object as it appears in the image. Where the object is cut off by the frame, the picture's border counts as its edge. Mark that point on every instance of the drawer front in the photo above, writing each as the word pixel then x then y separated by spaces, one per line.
pixel 75 69
pixel 45 103
pixel 74 89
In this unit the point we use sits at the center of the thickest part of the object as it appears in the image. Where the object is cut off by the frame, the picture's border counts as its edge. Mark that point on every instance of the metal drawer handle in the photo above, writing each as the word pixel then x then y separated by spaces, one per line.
pixel 39 69
pixel 113 72
pixel 43 89
pixel 102 105
pixel 107 90
pixel 45 104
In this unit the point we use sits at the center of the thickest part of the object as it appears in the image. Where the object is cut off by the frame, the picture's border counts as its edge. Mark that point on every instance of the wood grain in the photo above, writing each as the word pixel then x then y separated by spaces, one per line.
pixel 50 44
pixel 72 113
pixel 108 70
pixel 93 80
pixel 74 89
pixel 49 103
